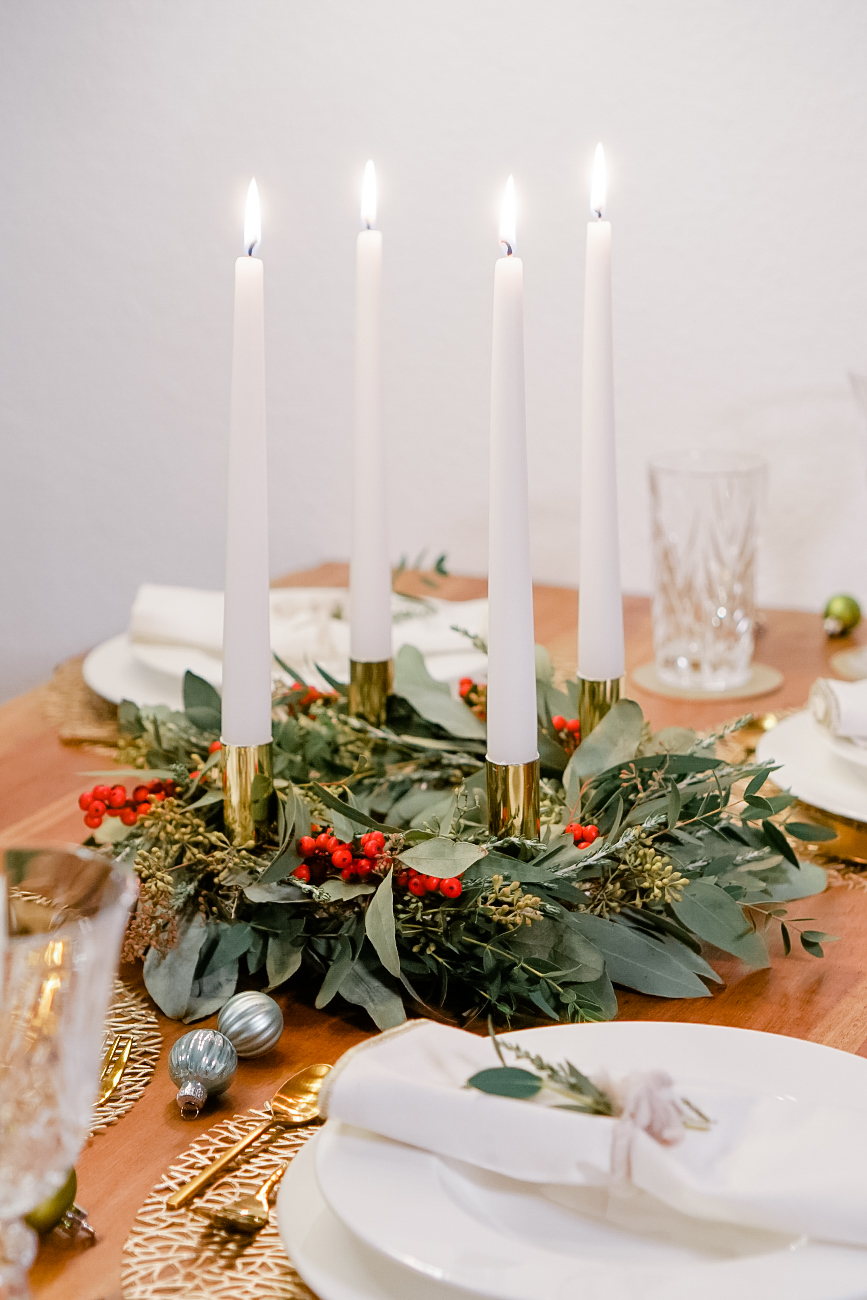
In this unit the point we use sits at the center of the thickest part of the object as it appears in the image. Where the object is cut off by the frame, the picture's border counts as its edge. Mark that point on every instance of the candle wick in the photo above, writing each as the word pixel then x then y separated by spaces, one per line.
pixel 598 212
pixel 508 247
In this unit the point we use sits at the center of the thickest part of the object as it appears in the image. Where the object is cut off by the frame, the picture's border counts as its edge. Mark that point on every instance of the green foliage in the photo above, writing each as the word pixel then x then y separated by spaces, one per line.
pixel 541 929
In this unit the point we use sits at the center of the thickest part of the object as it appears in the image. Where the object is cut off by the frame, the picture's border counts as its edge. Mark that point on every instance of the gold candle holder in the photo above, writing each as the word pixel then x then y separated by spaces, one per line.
pixel 369 689
pixel 248 792
pixel 595 698
pixel 513 799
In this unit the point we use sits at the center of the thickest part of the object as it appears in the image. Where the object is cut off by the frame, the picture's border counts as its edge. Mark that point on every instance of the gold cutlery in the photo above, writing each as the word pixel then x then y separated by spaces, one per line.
pixel 296 1103
pixel 248 1214
pixel 113 1067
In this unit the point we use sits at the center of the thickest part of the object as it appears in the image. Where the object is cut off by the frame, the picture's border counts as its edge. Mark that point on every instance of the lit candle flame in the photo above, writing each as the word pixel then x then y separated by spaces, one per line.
pixel 507 218
pixel 368 195
pixel 598 183
pixel 252 220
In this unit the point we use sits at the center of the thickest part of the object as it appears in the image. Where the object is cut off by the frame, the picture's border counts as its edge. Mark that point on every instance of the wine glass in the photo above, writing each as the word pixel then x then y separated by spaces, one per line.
pixel 62 917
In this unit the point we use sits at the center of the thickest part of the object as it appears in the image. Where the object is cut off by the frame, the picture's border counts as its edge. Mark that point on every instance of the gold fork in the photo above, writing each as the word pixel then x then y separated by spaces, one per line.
pixel 113 1067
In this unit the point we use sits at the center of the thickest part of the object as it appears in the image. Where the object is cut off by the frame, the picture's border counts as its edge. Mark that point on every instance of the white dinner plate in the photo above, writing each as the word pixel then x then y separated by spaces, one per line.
pixel 845 747
pixel 114 672
pixel 811 769
pixel 508 1240
pixel 330 1259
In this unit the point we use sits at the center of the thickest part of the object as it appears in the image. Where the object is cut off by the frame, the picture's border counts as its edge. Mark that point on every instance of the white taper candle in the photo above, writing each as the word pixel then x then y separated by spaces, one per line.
pixel 600 610
pixel 370 570
pixel 512 727
pixel 246 632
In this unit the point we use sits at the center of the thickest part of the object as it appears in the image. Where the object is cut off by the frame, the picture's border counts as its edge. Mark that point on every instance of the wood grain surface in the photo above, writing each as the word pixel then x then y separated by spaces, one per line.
pixel 822 1000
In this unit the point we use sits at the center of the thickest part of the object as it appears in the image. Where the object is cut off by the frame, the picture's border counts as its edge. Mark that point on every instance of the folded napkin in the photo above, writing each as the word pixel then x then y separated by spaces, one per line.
pixel 309 625
pixel 766 1162
pixel 841 707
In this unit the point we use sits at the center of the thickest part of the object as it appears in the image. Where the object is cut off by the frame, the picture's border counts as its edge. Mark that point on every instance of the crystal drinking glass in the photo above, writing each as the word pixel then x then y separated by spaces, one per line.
pixel 705 517
pixel 62 918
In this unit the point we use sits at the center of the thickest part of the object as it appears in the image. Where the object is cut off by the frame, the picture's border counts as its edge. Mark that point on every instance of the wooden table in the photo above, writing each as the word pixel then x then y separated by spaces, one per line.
pixel 824 1001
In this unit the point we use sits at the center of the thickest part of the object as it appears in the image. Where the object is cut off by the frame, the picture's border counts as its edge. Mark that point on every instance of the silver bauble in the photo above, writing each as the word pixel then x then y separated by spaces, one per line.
pixel 252 1022
pixel 201 1064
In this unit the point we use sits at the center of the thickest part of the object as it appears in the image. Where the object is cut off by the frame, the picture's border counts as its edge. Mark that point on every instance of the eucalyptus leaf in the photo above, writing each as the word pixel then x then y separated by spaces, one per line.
pixel 708 911
pixel 233 941
pixel 442 857
pixel 811 833
pixel 199 694
pixel 507 1081
pixel 615 740
pixel 379 926
pixel 273 892
pixel 778 841
pixel 211 992
pixel 339 890
pixel 799 882
pixel 637 961
pixel 285 951
pixel 364 988
pixel 169 979
pixel 353 814
pixel 433 699
pixel 338 970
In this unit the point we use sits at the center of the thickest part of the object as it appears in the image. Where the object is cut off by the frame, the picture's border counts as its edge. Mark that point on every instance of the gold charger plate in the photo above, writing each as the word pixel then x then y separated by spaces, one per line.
pixel 174 1253
pixel 129 1016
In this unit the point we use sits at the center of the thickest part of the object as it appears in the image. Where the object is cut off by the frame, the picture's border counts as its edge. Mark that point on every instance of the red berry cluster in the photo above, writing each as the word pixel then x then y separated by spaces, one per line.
pixel 352 864
pixel 568 731
pixel 475 695
pixel 420 885
pixel 298 698
pixel 112 801
pixel 583 835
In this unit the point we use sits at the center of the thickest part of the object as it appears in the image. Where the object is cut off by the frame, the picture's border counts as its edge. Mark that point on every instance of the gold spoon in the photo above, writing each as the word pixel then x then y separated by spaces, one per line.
pixel 296 1103
pixel 248 1214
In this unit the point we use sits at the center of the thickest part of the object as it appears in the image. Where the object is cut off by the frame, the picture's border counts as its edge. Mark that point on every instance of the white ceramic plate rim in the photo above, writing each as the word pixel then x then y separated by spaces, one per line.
pixel 333 1262
pixel 394 1197
pixel 811 770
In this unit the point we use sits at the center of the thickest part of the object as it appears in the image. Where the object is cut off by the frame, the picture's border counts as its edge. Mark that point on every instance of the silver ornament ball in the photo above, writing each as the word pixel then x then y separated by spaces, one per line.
pixel 201 1064
pixel 252 1022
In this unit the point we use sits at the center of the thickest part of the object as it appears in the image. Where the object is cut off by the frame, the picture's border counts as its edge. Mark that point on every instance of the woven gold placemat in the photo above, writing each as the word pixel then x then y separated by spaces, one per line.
pixel 174 1253
pixel 128 1016
pixel 81 716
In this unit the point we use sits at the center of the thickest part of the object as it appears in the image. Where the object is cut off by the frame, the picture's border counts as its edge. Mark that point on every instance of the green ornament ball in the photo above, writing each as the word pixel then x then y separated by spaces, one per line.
pixel 842 614
pixel 47 1215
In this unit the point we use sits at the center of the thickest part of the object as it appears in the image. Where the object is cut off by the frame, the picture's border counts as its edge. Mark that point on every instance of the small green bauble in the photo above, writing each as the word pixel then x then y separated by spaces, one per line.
pixel 842 614
pixel 47 1215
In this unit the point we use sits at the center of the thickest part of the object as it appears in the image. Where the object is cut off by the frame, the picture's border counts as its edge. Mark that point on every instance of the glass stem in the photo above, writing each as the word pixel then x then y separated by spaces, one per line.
pixel 18 1246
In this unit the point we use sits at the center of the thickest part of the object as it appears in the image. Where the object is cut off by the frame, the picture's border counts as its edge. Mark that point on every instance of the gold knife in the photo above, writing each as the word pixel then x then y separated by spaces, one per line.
pixel 112 1071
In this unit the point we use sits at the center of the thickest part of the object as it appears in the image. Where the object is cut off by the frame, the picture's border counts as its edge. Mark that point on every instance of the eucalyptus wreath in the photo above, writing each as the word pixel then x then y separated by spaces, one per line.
pixel 691 850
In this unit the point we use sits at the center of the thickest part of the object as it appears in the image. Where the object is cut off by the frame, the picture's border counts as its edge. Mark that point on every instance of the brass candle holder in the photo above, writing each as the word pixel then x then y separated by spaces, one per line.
pixel 369 689
pixel 595 698
pixel 248 792
pixel 513 799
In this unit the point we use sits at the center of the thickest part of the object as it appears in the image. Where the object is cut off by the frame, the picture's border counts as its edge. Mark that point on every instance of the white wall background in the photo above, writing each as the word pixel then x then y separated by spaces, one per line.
pixel 736 136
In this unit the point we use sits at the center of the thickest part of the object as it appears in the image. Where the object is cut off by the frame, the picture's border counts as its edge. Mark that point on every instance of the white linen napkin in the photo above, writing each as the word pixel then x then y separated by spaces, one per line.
pixel 309 625
pixel 841 707
pixel 766 1162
